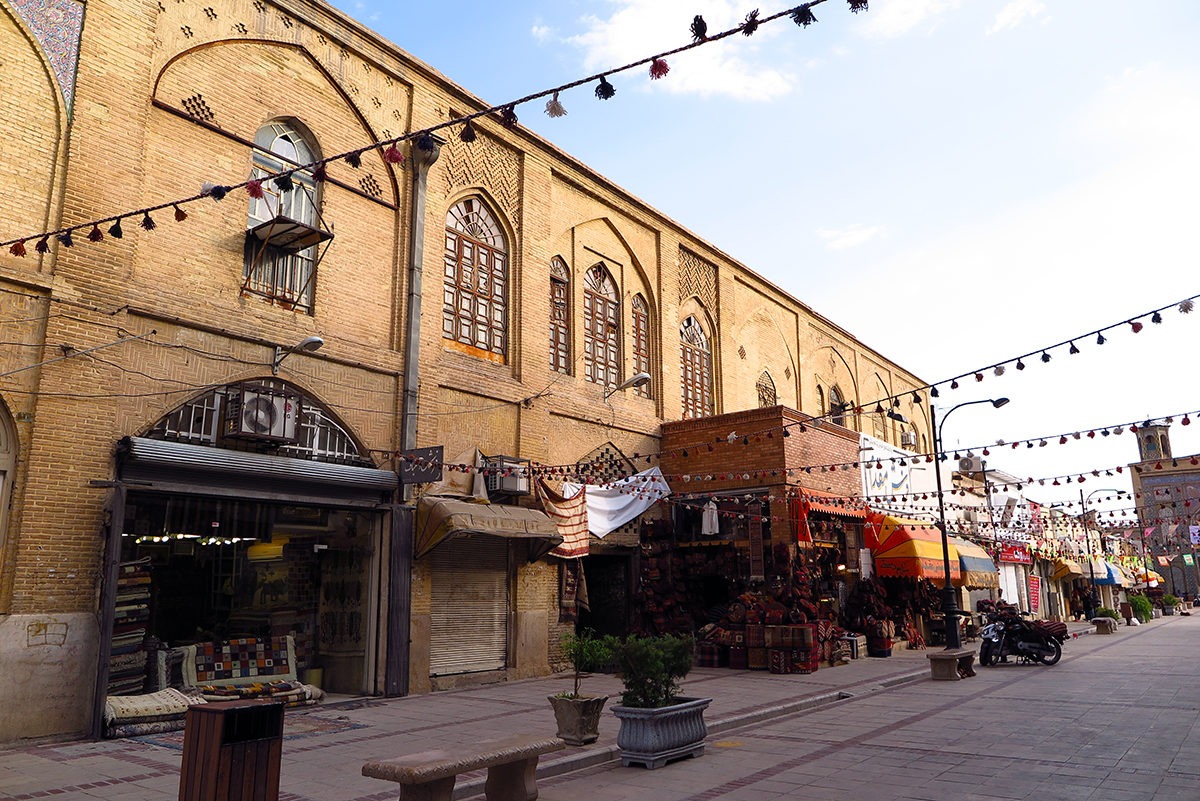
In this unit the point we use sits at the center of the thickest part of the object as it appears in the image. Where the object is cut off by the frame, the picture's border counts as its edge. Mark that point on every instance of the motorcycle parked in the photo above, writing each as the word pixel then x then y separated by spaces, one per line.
pixel 1008 634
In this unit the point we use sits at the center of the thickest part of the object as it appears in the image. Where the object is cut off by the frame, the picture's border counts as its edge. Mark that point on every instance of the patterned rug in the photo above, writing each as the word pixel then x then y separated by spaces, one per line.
pixel 294 728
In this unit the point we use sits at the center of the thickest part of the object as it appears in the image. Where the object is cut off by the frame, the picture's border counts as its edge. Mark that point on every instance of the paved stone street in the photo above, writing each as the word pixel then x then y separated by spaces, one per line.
pixel 1115 720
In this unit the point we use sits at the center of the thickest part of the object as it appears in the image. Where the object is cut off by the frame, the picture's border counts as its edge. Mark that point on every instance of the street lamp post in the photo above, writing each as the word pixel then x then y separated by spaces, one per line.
pixel 949 601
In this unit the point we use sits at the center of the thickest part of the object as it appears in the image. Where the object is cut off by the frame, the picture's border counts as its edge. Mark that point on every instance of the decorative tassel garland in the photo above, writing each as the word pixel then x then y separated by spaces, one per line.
pixel 218 192
pixel 803 16
pixel 933 392
pixel 468 135
pixel 284 182
pixel 147 223
pixel 658 68
pixel 1100 340
pixel 320 173
pixel 751 23
pixel 425 143
pixel 43 245
pixel 999 370
pixel 858 5
pixel 554 108
pixel 393 155
pixel 1156 318
pixel 954 384
pixel 66 240
pixel 180 214
pixel 354 159
pixel 1020 364
pixel 508 117
pixel 1136 326
pixel 95 235
pixel 1045 357
pixel 17 249
pixel 699 29
pixel 605 90
pixel 1186 307
pixel 1073 349
pixel 254 188
pixel 115 231
pixel 978 377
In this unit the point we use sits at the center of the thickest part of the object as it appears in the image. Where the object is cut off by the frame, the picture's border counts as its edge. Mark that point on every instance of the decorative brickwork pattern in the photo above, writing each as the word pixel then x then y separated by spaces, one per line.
pixel 488 163
pixel 697 277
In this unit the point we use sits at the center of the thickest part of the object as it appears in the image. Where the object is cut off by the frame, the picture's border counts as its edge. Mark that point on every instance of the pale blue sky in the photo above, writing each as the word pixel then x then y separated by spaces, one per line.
pixel 955 182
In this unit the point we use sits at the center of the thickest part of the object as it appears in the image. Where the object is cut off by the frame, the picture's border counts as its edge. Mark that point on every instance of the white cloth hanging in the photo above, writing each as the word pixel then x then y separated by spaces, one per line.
pixel 710 525
pixel 610 506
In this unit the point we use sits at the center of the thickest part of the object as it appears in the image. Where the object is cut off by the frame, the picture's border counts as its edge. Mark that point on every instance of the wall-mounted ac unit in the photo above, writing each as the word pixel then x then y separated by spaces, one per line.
pixel 970 464
pixel 262 414
pixel 908 439
pixel 506 475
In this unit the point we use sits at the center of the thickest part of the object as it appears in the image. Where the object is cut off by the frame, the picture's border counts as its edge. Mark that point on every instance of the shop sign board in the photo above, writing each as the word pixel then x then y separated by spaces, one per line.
pixel 1164 561
pixel 1015 553
pixel 1035 593
pixel 1188 560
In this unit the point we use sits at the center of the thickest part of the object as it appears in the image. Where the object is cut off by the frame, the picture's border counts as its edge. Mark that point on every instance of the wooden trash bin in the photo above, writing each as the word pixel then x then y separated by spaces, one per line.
pixel 231 751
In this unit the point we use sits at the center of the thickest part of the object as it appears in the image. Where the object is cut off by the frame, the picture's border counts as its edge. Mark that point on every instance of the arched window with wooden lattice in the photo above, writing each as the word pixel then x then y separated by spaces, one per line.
pixel 601 328
pixel 766 391
pixel 475 276
pixel 696 370
pixel 560 316
pixel 641 341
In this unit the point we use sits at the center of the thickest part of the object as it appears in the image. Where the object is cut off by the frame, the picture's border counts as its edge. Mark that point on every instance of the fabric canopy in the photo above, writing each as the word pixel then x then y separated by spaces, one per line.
pixel 1065 570
pixel 610 506
pixel 909 549
pixel 439 518
pixel 977 568
pixel 1112 575
pixel 1142 576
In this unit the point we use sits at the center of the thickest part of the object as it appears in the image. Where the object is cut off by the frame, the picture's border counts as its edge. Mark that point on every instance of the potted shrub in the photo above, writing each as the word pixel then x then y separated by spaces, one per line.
pixel 657 724
pixel 1142 608
pixel 578 716
pixel 1169 602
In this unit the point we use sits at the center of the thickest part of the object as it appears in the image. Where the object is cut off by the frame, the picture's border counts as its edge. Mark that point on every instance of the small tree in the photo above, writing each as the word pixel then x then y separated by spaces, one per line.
pixel 651 667
pixel 1170 600
pixel 586 652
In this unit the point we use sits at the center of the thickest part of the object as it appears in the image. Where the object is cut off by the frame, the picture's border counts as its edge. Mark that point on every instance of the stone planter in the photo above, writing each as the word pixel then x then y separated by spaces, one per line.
pixel 654 737
pixel 1168 610
pixel 578 718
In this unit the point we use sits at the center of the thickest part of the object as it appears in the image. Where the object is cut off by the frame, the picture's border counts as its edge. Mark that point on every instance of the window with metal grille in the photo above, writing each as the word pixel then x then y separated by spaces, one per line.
pixel 641 341
pixel 475 289
pixel 837 406
pixel 560 316
pixel 278 274
pixel 320 437
pixel 766 391
pixel 601 328
pixel 696 369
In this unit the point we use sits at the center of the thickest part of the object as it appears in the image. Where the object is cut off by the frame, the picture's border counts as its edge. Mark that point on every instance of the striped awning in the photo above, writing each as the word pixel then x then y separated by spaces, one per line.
pixel 978 571
pixel 909 549
pixel 1065 570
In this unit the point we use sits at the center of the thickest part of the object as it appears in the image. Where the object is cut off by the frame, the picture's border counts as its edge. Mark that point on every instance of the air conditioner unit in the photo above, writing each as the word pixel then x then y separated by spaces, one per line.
pixel 261 414
pixel 908 439
pixel 506 475
pixel 970 464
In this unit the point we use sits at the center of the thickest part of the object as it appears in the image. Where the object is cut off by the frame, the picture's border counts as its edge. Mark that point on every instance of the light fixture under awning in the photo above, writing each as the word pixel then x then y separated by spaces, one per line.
pixel 288 234
pixel 439 518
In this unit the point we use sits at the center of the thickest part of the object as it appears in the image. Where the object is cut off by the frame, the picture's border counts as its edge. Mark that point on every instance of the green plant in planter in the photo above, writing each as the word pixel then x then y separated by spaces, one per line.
pixel 1170 600
pixel 1141 607
pixel 651 668
pixel 587 653
pixel 1104 611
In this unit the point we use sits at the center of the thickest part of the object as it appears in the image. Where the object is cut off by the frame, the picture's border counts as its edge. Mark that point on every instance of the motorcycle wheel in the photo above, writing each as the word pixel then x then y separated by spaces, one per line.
pixel 1054 656
pixel 985 654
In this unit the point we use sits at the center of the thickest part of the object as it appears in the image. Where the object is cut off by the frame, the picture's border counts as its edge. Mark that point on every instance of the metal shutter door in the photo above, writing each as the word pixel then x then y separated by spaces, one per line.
pixel 469 616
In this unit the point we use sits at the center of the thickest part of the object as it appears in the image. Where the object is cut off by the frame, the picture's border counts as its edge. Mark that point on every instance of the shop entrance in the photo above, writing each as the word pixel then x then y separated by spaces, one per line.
pixel 220 568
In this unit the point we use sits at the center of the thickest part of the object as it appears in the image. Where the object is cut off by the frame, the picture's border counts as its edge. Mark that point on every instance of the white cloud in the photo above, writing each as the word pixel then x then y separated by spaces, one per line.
pixel 898 18
pixel 849 237
pixel 1150 108
pixel 541 32
pixel 1015 13
pixel 640 27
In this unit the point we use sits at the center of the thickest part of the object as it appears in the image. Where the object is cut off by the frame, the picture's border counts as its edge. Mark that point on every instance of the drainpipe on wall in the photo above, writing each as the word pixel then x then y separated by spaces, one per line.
pixel 399 626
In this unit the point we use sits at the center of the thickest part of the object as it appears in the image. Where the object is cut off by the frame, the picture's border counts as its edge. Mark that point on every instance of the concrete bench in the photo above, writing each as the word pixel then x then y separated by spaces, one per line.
pixel 951 664
pixel 429 775
pixel 1104 625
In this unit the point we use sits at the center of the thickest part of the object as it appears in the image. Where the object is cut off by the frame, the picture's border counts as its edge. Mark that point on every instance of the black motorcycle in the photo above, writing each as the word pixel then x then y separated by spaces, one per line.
pixel 1008 634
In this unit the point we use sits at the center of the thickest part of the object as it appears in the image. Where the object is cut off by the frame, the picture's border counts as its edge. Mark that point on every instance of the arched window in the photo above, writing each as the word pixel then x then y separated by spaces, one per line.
pixel 696 369
pixel 1164 445
pixel 1151 446
pixel 766 391
pixel 475 273
pixel 560 316
pixel 601 328
pixel 837 406
pixel 641 341
pixel 280 255
pixel 820 401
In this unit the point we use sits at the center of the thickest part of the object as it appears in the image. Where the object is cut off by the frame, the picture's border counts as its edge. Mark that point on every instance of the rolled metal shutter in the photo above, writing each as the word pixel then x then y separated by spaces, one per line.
pixel 469 615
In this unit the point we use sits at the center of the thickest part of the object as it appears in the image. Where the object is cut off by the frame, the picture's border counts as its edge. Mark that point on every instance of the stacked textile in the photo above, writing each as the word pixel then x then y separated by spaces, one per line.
pixel 127 663
pixel 135 715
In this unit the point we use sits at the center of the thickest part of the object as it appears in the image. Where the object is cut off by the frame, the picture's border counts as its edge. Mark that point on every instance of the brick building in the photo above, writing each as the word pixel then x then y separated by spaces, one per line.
pixel 165 400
